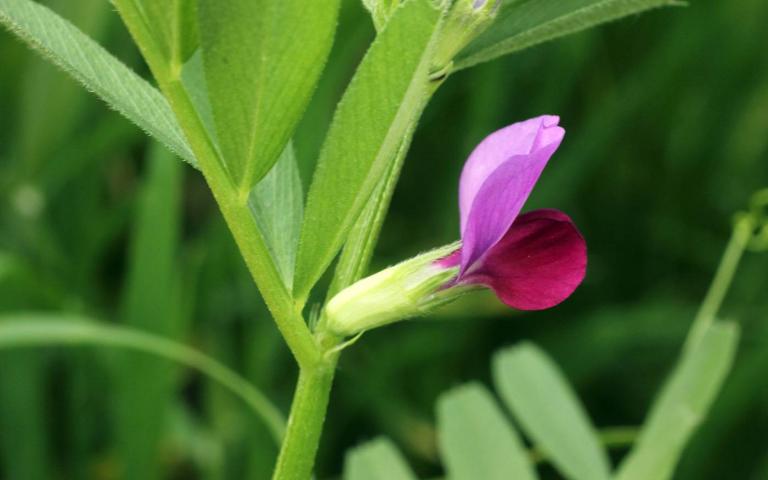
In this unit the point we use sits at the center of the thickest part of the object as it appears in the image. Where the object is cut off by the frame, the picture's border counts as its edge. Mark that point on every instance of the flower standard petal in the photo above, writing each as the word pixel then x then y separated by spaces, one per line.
pixel 497 182
pixel 499 202
pixel 538 263
pixel 517 139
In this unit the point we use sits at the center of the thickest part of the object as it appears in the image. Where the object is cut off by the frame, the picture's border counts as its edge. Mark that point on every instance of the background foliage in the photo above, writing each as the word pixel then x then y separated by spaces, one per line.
pixel 667 121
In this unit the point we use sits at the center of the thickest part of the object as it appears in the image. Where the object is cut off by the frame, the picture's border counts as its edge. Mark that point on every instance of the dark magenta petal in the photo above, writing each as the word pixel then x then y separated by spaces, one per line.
pixel 537 264
pixel 498 178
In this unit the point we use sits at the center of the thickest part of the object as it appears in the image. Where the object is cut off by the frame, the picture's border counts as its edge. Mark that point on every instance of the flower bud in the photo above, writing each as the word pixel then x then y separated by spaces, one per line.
pixel 465 20
pixel 409 289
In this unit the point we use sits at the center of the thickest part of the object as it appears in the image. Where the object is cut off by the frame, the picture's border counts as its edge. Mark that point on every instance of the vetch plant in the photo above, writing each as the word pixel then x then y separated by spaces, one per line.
pixel 477 440
pixel 532 261
pixel 234 79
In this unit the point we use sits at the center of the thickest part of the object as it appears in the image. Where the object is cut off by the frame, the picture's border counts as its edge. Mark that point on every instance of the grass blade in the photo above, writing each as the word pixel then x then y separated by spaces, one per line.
pixel 24 330
pixel 151 303
pixel 23 433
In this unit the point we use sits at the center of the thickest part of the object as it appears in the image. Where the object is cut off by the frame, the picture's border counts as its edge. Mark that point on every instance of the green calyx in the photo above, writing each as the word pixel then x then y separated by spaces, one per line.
pixel 464 21
pixel 409 289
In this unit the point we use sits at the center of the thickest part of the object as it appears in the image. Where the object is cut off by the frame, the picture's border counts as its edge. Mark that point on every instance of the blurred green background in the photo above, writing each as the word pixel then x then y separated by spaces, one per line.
pixel 667 137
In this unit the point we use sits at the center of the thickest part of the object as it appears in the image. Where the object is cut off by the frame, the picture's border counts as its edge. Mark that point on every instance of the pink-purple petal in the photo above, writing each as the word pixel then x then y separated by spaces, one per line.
pixel 499 202
pixel 537 264
pixel 497 181
pixel 517 139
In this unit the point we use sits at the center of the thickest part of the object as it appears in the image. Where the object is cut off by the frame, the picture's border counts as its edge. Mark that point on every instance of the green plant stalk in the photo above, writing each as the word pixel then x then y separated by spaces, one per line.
pixel 249 240
pixel 305 423
pixel 705 317
pixel 233 207
pixel 308 409
pixel 310 402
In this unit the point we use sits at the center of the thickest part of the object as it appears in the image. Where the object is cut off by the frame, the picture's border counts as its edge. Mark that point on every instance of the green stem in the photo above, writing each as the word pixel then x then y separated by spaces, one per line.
pixel 310 403
pixel 742 233
pixel 233 206
pixel 315 368
pixel 305 423
pixel 243 226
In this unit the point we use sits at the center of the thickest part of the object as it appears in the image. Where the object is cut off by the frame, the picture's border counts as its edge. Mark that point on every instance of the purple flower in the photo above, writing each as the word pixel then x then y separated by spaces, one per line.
pixel 532 261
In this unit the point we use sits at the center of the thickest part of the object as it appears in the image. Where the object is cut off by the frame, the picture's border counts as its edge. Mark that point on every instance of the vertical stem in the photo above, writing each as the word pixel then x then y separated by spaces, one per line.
pixel 742 232
pixel 234 209
pixel 297 454
pixel 247 235
pixel 305 423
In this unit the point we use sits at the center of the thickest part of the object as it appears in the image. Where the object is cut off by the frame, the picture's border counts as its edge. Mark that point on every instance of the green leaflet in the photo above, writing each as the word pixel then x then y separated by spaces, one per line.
pixel 377 460
pixel 277 200
pixel 385 97
pixel 153 269
pixel 524 23
pixel 262 60
pixel 362 238
pixel 549 412
pixel 193 80
pixel 186 36
pixel 277 204
pixel 96 70
pixel 29 329
pixel 682 405
pixel 476 439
